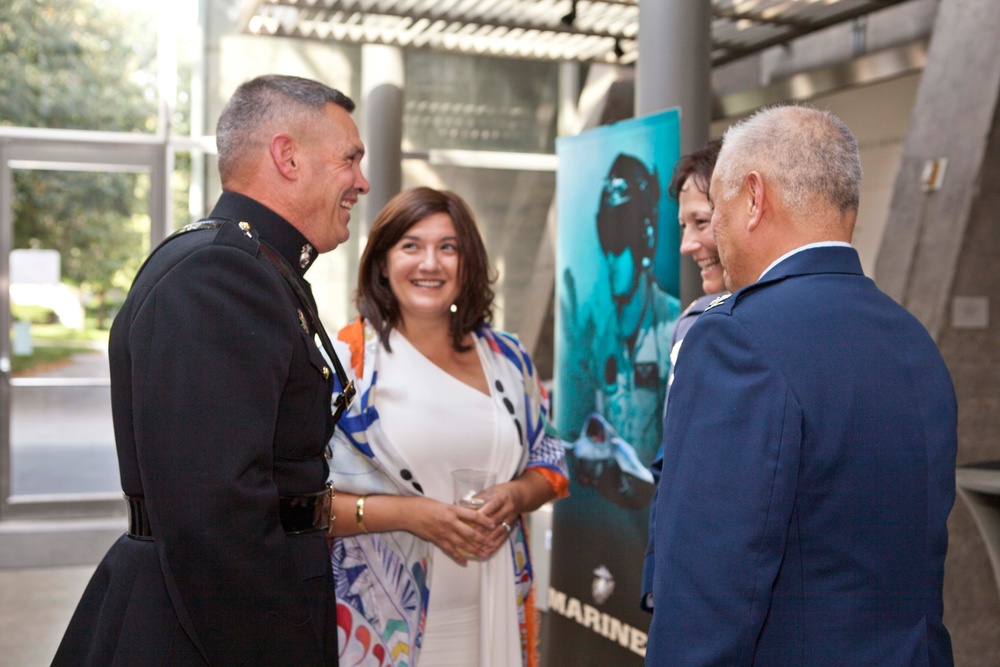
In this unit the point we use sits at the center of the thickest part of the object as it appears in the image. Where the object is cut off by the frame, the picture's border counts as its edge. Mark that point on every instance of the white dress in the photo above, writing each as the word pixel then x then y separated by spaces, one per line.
pixel 415 399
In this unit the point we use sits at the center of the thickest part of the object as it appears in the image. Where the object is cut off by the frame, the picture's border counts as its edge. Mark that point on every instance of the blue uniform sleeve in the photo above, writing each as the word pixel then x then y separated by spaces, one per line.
pixel 725 497
pixel 649 560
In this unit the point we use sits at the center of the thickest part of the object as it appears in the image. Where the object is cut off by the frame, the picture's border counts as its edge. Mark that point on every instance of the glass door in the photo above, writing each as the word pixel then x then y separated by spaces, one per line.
pixel 77 217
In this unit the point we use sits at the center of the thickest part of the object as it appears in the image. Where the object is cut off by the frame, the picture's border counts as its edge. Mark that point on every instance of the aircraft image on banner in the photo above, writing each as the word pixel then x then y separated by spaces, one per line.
pixel 602 460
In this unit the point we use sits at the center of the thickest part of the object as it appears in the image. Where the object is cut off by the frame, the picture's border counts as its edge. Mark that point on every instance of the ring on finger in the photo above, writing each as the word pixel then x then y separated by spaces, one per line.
pixel 506 526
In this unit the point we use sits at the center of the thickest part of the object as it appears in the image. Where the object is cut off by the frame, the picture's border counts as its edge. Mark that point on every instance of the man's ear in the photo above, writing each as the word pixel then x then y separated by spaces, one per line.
pixel 756 192
pixel 284 154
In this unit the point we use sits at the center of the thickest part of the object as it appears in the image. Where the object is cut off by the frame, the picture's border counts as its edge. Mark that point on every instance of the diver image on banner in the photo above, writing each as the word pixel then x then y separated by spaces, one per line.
pixel 621 361
pixel 617 281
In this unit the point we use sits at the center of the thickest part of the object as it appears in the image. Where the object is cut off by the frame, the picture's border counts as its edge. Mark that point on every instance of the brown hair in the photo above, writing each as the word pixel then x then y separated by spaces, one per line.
pixel 699 165
pixel 374 298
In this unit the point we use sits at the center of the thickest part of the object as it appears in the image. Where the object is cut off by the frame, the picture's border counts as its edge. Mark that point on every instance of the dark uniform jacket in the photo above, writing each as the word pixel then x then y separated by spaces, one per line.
pixel 221 404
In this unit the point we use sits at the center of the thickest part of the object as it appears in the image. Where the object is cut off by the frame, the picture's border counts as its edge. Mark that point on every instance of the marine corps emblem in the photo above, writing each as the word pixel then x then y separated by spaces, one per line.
pixel 603 585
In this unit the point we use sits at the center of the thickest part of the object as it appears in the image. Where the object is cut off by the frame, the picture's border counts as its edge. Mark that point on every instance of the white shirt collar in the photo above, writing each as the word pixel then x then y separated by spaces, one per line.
pixel 821 244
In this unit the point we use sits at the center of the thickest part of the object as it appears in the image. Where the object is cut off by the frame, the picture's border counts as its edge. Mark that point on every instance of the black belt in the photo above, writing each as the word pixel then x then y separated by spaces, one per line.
pixel 299 514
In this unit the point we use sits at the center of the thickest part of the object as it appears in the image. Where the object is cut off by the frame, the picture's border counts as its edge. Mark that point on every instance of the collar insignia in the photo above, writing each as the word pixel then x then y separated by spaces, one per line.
pixel 306 255
pixel 717 300
pixel 302 322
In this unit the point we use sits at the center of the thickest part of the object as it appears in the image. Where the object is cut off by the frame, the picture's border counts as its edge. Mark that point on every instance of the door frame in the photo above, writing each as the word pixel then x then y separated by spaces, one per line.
pixel 66 150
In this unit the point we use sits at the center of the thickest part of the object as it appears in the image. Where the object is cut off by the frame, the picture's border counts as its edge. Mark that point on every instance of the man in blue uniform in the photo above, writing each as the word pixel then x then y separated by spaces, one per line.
pixel 801 515
pixel 222 408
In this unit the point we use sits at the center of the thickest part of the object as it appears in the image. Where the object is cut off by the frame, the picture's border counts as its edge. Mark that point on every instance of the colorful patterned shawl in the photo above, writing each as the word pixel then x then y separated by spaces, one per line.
pixel 382 578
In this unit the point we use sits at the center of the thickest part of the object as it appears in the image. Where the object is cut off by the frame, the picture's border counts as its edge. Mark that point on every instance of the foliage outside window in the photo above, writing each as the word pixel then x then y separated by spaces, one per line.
pixel 81 65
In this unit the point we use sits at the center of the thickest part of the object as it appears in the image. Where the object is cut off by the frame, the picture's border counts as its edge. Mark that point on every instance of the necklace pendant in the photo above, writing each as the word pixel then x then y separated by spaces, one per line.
pixel 306 256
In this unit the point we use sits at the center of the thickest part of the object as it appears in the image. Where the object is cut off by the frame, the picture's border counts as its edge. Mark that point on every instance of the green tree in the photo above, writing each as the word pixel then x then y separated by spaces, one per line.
pixel 88 65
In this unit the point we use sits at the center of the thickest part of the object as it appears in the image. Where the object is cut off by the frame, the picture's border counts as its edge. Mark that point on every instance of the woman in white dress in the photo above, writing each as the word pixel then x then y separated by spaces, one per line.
pixel 422 581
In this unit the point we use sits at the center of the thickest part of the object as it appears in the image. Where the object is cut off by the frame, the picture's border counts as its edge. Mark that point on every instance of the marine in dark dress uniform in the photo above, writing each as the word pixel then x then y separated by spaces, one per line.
pixel 221 402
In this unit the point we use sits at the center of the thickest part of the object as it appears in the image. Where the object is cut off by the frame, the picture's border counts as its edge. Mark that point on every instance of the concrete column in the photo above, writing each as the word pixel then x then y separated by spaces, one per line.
pixel 567 120
pixel 382 130
pixel 674 70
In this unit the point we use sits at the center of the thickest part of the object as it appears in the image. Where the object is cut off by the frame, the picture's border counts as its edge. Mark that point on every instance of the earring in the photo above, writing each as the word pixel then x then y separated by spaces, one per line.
pixel 453 308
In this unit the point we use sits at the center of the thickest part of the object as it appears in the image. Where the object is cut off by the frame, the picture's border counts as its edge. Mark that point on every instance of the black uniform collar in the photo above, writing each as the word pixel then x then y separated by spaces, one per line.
pixel 271 227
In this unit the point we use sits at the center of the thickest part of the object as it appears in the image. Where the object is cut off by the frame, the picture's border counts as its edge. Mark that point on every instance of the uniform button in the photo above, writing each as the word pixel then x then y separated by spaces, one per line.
pixel 326 373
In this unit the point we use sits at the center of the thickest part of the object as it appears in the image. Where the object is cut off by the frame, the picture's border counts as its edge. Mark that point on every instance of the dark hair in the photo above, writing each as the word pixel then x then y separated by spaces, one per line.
pixel 698 164
pixel 256 102
pixel 374 298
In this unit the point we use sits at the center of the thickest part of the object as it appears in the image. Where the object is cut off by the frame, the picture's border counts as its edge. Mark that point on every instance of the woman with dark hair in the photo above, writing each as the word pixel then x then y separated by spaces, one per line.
pixel 421 580
pixel 689 186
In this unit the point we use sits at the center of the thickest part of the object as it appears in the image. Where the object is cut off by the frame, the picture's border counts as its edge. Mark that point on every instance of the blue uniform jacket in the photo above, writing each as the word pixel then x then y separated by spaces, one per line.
pixel 687 318
pixel 807 481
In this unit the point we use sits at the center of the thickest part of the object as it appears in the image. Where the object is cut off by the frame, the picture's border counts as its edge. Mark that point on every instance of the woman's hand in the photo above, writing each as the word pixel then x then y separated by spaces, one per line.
pixel 503 509
pixel 458 531
pixel 508 501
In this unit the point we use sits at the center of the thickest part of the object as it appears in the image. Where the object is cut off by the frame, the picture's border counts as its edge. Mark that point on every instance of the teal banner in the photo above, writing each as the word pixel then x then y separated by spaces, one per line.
pixel 617 283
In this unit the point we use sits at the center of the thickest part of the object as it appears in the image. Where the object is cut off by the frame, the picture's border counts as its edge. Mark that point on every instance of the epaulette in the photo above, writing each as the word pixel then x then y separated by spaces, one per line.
pixel 717 301
pixel 239 235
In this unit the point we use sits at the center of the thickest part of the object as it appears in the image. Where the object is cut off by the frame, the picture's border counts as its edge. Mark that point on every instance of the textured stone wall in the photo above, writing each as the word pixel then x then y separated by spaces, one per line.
pixel 945 244
pixel 972 601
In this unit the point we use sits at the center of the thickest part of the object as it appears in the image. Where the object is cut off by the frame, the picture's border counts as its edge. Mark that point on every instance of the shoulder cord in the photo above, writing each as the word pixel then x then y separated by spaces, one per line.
pixel 346 395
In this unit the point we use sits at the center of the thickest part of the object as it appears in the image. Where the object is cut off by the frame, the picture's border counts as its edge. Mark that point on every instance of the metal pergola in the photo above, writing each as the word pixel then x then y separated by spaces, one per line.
pixel 603 31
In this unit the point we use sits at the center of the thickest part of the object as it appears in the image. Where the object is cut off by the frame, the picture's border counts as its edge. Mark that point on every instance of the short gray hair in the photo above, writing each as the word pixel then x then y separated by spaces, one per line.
pixel 259 101
pixel 810 153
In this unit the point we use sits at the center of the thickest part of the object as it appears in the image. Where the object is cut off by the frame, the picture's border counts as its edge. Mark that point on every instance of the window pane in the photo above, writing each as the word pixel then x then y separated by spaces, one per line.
pixel 488 104
pixel 78 64
pixel 79 238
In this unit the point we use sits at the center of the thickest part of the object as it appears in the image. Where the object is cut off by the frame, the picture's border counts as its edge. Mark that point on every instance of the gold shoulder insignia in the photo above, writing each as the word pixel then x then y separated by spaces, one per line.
pixel 717 300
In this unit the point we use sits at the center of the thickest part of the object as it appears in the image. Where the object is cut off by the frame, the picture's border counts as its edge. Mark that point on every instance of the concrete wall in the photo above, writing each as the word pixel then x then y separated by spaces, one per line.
pixel 972 603
pixel 943 244
pixel 878 115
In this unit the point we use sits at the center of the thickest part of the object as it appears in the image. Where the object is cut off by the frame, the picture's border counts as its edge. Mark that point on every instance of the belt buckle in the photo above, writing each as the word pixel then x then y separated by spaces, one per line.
pixel 343 400
pixel 321 518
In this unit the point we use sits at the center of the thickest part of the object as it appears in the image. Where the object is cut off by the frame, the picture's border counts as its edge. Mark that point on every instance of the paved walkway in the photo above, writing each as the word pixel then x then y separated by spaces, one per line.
pixel 35 608
pixel 62 439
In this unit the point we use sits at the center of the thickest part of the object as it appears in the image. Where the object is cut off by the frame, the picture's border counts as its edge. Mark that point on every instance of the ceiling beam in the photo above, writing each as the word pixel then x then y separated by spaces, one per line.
pixel 354 8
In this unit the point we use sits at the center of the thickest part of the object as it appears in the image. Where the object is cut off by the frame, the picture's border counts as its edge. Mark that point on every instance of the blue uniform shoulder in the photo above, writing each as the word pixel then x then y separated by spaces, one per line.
pixel 722 303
